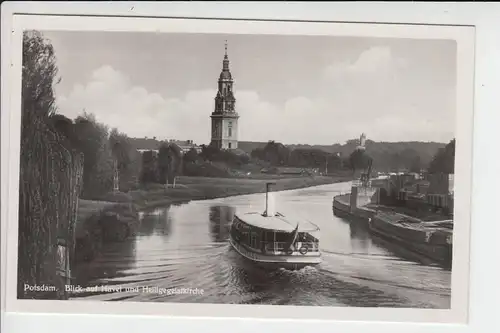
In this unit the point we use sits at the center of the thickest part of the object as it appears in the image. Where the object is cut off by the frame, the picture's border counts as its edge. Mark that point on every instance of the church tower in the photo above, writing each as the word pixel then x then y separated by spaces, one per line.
pixel 224 117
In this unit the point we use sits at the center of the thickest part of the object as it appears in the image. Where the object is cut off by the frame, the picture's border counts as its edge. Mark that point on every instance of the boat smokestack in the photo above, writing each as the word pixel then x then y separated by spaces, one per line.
pixel 270 206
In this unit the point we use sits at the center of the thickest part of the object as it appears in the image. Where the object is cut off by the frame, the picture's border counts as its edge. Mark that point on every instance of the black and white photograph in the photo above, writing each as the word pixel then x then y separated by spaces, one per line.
pixel 238 168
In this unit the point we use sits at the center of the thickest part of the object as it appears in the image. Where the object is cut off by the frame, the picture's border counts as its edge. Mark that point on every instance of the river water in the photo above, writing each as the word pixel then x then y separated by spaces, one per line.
pixel 186 246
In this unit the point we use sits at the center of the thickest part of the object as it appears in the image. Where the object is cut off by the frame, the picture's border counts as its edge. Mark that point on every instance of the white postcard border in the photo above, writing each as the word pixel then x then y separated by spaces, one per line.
pixel 464 39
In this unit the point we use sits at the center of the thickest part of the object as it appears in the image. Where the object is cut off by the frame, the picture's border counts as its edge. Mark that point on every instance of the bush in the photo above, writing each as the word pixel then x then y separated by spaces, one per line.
pixel 205 169
pixel 116 197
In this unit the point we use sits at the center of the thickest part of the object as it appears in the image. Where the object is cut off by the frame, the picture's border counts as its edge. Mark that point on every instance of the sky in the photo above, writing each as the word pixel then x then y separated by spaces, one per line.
pixel 291 89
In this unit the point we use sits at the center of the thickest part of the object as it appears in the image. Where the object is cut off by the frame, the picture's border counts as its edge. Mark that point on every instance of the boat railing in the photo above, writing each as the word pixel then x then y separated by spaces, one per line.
pixel 279 247
pixel 356 183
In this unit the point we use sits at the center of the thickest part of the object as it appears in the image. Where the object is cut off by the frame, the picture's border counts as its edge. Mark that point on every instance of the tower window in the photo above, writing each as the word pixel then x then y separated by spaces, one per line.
pixel 230 132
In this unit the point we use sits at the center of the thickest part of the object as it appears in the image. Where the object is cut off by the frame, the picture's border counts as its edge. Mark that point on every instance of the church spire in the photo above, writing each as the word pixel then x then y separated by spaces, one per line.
pixel 225 63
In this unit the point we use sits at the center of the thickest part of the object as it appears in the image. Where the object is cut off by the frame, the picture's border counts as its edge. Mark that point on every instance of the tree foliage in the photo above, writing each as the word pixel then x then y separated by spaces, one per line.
pixel 273 152
pixel 169 162
pixel 149 167
pixel 191 156
pixel 213 154
pixel 444 160
pixel 359 160
pixel 127 157
pixel 277 154
pixel 50 170
pixel 387 156
pixel 98 156
pixel 39 75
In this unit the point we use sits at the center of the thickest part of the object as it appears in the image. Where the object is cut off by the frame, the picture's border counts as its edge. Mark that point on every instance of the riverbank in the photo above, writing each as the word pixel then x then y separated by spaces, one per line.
pixel 204 188
pixel 99 222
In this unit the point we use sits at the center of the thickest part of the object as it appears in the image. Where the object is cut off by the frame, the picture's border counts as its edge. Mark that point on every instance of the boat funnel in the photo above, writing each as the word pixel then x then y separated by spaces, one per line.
pixel 270 206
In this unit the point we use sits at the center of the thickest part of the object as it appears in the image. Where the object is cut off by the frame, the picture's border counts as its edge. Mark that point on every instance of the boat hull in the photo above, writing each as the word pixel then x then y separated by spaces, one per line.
pixel 433 244
pixel 341 209
pixel 436 245
pixel 276 261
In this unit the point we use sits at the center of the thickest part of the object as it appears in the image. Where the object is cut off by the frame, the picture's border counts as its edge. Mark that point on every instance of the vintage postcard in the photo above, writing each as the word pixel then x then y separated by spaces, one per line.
pixel 191 167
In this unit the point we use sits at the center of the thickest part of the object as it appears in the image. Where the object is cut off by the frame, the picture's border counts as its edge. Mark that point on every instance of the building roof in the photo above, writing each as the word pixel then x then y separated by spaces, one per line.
pixel 145 143
pixel 153 144
pixel 278 222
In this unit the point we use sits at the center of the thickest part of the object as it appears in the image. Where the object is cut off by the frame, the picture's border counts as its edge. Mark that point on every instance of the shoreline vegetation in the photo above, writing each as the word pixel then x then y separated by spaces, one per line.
pixel 203 188
pixel 116 216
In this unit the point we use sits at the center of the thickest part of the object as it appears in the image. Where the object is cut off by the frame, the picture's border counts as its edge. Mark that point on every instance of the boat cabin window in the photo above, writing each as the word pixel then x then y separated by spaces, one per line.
pixel 256 238
pixel 242 232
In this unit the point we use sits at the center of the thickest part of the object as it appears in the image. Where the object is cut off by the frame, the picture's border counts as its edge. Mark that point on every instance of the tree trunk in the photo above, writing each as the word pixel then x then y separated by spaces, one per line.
pixel 116 176
pixel 50 176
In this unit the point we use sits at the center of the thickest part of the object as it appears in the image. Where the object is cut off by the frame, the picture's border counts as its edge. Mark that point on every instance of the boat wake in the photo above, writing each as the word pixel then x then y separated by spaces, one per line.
pixel 366 256
pixel 226 278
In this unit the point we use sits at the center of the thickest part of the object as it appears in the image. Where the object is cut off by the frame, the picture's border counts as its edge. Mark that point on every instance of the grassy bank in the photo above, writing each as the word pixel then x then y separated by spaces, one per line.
pixel 202 188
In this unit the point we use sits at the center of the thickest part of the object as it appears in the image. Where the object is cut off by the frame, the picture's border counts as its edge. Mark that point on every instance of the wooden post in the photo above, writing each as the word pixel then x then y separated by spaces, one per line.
pixel 63 271
pixel 116 183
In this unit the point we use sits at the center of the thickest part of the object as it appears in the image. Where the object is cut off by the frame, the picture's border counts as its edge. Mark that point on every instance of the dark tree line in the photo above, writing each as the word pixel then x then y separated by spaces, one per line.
pixel 277 154
pixel 399 158
pixel 162 167
pixel 387 156
pixel 444 160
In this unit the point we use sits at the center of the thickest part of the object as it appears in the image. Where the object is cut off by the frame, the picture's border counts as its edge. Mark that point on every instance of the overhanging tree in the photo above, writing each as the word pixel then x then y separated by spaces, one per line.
pixel 444 160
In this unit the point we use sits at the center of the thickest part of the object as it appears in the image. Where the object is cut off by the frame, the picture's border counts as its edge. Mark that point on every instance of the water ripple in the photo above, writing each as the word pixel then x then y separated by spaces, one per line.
pixel 186 247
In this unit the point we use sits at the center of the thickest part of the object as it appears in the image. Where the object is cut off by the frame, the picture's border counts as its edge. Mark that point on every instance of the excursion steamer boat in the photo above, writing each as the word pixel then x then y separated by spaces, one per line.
pixel 272 240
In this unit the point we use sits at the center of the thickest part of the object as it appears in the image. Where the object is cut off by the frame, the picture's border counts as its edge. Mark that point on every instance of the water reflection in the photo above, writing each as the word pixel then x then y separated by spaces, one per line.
pixel 113 259
pixel 157 221
pixel 220 218
pixel 360 236
pixel 363 239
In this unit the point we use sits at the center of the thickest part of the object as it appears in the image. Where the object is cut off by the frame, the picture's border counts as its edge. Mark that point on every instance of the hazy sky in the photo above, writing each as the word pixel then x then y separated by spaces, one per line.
pixel 292 89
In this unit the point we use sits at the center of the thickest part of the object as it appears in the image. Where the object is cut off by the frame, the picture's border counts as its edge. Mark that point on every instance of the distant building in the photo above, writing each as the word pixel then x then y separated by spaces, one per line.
pixel 436 190
pixel 440 191
pixel 362 141
pixel 224 117
pixel 186 146
pixel 142 145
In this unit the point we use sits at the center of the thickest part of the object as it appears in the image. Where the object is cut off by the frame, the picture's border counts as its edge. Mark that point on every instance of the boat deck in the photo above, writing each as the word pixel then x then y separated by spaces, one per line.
pixel 412 223
pixel 278 222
